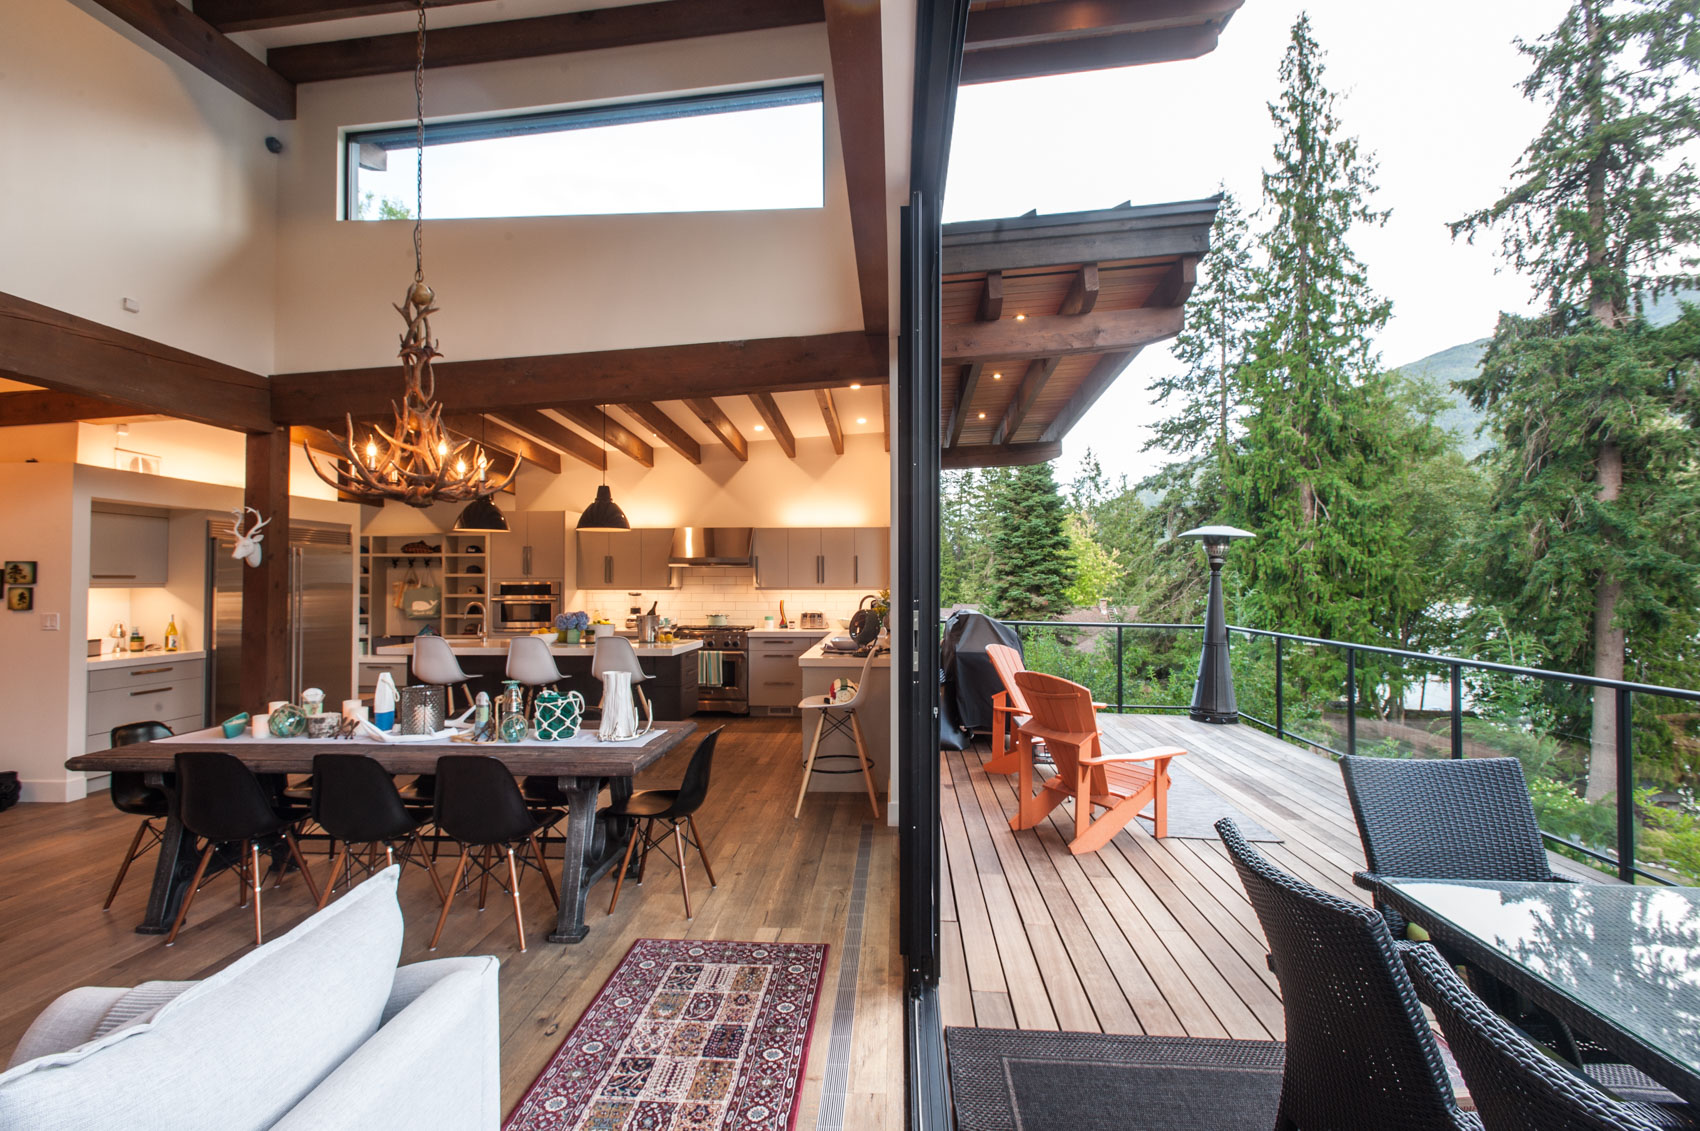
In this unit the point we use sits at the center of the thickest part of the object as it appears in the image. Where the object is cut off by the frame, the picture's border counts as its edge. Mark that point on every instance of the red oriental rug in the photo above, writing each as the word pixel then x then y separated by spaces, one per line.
pixel 685 1036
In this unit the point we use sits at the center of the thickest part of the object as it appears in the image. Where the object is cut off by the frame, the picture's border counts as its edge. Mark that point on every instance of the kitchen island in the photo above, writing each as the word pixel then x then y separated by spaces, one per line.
pixel 672 668
pixel 819 668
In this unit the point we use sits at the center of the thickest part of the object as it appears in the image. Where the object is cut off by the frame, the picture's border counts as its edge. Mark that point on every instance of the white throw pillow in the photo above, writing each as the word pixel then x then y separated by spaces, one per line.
pixel 237 1050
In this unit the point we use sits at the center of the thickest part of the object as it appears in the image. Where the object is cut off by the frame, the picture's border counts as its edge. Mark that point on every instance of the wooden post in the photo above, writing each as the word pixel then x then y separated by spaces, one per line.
pixel 265 588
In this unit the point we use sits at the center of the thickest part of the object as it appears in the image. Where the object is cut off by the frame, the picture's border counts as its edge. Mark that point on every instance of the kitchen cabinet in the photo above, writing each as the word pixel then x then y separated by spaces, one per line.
pixel 803 551
pixel 535 545
pixel 770 551
pixel 128 551
pixel 172 691
pixel 625 559
pixel 873 558
pixel 776 681
pixel 813 557
pixel 838 557
pixel 657 547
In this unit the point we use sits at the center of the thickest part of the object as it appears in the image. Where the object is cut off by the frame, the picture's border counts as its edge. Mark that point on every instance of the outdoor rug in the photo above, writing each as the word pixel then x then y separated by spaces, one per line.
pixel 685 1035
pixel 1014 1080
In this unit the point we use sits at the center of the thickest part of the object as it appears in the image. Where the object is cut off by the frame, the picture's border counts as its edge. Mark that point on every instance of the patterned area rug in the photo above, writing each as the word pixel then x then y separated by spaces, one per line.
pixel 686 1035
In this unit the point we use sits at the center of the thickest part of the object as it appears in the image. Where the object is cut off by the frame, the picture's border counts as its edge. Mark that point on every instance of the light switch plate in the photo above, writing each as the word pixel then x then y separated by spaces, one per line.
pixel 50 622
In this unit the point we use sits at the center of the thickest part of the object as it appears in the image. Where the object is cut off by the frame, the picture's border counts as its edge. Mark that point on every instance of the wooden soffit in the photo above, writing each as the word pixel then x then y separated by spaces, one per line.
pixel 1016 39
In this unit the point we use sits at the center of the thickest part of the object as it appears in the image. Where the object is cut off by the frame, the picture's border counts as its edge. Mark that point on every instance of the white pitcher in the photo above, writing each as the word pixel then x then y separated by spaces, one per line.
pixel 619 709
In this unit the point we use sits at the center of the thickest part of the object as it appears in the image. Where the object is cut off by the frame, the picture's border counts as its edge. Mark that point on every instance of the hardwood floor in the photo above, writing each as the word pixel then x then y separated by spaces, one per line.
pixel 780 880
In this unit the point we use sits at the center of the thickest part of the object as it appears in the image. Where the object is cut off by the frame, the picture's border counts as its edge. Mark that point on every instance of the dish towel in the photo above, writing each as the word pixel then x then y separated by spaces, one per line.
pixel 711 669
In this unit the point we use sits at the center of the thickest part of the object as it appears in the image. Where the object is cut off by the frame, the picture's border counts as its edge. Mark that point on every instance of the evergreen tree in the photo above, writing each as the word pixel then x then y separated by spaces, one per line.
pixel 1590 407
pixel 1029 567
pixel 1220 317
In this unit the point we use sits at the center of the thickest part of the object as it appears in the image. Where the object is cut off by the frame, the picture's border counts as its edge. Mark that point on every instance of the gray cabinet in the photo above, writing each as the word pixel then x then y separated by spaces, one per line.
pixel 128 551
pixel 803 549
pixel 535 545
pixel 872 568
pixel 832 557
pixel 657 547
pixel 776 680
pixel 625 559
pixel 172 691
pixel 770 550
pixel 838 557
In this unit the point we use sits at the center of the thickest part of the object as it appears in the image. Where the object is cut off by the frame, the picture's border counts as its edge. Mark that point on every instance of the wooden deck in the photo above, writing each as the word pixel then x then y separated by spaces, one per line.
pixel 1145 936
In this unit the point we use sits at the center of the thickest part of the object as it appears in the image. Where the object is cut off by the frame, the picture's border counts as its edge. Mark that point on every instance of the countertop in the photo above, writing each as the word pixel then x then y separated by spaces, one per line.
pixel 793 632
pixel 500 648
pixel 816 658
pixel 126 659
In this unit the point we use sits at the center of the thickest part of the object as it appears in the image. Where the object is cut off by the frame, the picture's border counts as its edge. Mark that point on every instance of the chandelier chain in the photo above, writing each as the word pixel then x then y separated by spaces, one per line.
pixel 419 152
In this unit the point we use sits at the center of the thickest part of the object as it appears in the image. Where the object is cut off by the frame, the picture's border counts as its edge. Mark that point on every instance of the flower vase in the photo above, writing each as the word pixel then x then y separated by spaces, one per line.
pixel 572 636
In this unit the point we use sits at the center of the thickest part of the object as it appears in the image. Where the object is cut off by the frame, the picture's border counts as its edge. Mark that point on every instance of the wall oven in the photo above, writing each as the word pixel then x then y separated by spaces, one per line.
pixel 519 607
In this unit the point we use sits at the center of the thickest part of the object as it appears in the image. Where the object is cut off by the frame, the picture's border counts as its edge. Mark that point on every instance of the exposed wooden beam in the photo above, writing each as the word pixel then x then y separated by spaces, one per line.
pixel 1033 383
pixel 1074 19
pixel 43 346
pixel 1067 56
pixel 622 439
pixel 1083 292
pixel 885 415
pixel 991 297
pixel 656 420
pixel 48 406
pixel 769 409
pixel 1103 375
pixel 998 455
pixel 829 412
pixel 495 434
pixel 858 90
pixel 1104 235
pixel 709 413
pixel 557 436
pixel 560 34
pixel 250 15
pixel 192 39
pixel 652 373
pixel 966 386
pixel 1102 331
pixel 1176 285
pixel 263 674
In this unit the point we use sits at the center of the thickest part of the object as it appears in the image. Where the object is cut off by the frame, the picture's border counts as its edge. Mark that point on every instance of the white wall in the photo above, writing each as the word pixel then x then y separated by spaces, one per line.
pixel 188 450
pixel 129 173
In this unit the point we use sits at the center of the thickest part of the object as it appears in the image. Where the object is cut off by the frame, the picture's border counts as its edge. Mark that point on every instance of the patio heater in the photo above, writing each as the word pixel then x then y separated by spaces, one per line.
pixel 1213 694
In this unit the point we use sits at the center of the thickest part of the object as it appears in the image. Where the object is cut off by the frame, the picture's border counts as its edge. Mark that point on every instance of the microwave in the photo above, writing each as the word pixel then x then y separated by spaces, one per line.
pixel 524 606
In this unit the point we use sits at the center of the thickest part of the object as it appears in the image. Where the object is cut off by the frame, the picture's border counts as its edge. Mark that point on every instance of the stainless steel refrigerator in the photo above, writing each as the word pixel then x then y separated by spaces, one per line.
pixel 321 614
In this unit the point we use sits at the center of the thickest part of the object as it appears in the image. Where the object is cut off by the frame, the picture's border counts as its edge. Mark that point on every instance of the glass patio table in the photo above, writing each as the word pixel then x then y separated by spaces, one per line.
pixel 1619 963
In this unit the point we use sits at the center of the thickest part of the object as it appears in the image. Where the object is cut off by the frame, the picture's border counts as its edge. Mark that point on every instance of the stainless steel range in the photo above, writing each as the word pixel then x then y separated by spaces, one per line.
pixel 723 666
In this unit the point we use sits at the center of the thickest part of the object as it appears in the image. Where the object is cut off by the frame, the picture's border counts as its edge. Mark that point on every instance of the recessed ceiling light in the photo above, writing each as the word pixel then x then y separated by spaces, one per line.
pixel 982 416
pixel 855 384
pixel 997 376
pixel 1021 317
pixel 861 420
pixel 760 428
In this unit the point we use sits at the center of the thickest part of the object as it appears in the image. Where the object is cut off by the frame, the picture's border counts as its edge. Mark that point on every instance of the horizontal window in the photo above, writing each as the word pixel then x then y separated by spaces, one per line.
pixel 748 150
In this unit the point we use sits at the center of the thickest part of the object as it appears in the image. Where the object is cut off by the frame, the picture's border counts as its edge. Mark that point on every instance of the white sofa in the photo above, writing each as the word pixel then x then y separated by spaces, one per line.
pixel 316 1029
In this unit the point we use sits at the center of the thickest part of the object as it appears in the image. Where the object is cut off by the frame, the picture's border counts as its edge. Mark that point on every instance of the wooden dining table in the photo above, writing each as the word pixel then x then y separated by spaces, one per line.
pixel 581 766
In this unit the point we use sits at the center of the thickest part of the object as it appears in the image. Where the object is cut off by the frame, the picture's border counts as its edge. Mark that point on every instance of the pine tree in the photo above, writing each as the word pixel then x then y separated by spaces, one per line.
pixel 1030 561
pixel 1220 316
pixel 1596 458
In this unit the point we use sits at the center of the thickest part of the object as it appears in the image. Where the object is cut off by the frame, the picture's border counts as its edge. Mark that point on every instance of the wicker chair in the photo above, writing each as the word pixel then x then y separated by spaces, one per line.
pixel 1516 1086
pixel 1359 1051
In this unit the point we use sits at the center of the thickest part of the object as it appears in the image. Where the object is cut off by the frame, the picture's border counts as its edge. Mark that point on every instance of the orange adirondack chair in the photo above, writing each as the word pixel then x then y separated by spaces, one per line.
pixel 1062 716
pixel 1009 710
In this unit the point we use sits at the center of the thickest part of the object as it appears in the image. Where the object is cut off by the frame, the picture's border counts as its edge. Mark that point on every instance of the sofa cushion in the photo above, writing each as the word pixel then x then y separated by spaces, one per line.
pixel 237 1050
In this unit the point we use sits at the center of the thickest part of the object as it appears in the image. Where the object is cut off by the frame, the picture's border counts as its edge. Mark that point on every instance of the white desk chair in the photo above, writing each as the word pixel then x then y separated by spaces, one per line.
pixel 434 662
pixel 844 721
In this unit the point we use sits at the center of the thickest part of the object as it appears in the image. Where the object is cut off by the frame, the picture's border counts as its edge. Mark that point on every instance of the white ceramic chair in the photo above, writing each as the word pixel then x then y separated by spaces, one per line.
pixel 615 653
pixel 844 721
pixel 531 663
pixel 434 662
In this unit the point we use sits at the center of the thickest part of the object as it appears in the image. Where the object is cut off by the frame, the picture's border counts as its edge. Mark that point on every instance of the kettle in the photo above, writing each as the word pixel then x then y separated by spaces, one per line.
pixel 647 626
pixel 865 625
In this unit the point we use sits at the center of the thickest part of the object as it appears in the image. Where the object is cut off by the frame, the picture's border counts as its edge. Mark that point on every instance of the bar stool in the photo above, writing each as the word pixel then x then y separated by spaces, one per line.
pixel 844 722
pixel 615 654
pixel 531 663
pixel 479 805
pixel 355 801
pixel 131 794
pixel 434 662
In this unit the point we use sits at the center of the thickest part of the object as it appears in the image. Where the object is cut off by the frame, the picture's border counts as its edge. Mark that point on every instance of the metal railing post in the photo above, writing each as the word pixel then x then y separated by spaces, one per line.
pixel 1280 696
pixel 1625 787
pixel 1351 700
pixel 1121 697
pixel 1457 711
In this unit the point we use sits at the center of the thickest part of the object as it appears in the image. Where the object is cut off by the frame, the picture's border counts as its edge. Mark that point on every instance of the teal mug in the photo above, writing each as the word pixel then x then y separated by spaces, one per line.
pixel 557 716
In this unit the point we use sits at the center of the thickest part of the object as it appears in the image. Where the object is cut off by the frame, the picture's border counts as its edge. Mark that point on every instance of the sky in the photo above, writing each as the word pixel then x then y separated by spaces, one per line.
pixel 1430 90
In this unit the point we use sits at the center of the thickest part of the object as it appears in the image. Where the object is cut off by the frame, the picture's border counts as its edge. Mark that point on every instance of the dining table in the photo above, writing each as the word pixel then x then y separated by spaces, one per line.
pixel 1617 962
pixel 582 767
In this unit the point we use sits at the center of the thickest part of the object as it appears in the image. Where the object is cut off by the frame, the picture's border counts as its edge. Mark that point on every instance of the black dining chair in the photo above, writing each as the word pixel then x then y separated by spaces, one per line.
pixel 1517 1086
pixel 1359 1050
pixel 678 808
pixel 356 803
pixel 480 805
pixel 131 794
pixel 222 801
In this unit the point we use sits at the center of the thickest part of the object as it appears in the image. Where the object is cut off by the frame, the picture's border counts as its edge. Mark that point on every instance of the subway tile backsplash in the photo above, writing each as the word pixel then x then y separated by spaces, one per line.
pixel 721 589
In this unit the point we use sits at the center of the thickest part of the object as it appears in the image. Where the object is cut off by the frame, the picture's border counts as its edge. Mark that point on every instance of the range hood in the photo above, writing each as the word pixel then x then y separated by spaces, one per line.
pixel 710 545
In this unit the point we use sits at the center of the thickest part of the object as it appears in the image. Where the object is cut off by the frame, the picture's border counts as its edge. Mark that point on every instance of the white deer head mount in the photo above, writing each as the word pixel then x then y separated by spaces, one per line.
pixel 248 543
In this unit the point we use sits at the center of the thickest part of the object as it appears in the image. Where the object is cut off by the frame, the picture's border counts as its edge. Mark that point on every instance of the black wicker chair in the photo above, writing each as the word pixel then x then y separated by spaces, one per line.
pixel 1516 1086
pixel 1359 1051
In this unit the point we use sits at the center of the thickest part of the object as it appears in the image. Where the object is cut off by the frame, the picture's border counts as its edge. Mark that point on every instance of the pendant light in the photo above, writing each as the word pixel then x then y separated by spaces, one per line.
pixel 604 514
pixel 482 516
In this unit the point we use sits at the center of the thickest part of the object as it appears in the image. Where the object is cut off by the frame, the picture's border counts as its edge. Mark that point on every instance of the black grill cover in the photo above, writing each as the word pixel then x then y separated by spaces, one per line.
pixel 967 676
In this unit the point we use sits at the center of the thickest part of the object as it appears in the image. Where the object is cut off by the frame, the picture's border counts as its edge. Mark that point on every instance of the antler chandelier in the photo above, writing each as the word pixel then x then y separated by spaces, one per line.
pixel 417 464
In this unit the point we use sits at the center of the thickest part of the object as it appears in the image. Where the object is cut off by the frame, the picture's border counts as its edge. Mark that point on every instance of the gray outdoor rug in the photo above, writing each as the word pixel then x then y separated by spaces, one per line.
pixel 1013 1080
pixel 1194 809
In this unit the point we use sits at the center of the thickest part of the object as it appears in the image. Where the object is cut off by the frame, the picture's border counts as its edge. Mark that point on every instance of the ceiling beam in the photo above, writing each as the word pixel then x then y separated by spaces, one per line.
pixel 655 418
pixel 1075 19
pixel 491 433
pixel 769 409
pixel 651 373
pixel 43 346
pixel 991 297
pixel 251 15
pixel 1175 287
pixel 557 436
pixel 192 39
pixel 858 90
pixel 709 413
pixel 49 406
pixel 1033 383
pixel 657 22
pixel 997 455
pixel 965 389
pixel 1103 375
pixel 1083 292
pixel 622 439
pixel 997 63
pixel 885 415
pixel 1105 235
pixel 1057 335
pixel 829 412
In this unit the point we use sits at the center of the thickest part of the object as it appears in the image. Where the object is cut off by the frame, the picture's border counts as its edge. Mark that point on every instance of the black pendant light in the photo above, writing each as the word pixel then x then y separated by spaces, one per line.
pixel 481 516
pixel 604 513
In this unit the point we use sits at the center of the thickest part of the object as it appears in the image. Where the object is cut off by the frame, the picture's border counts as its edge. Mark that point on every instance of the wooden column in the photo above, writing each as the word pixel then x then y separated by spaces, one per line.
pixel 265 588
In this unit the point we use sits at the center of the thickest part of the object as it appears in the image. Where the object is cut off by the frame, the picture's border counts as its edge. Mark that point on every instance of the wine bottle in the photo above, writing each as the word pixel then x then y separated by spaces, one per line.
pixel 171 641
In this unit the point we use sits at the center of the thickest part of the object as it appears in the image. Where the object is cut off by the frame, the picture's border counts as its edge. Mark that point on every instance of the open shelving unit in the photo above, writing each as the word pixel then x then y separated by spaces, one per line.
pixel 458 564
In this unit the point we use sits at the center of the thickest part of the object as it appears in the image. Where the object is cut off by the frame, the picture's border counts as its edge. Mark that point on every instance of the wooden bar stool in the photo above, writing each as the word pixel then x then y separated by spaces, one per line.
pixel 844 722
